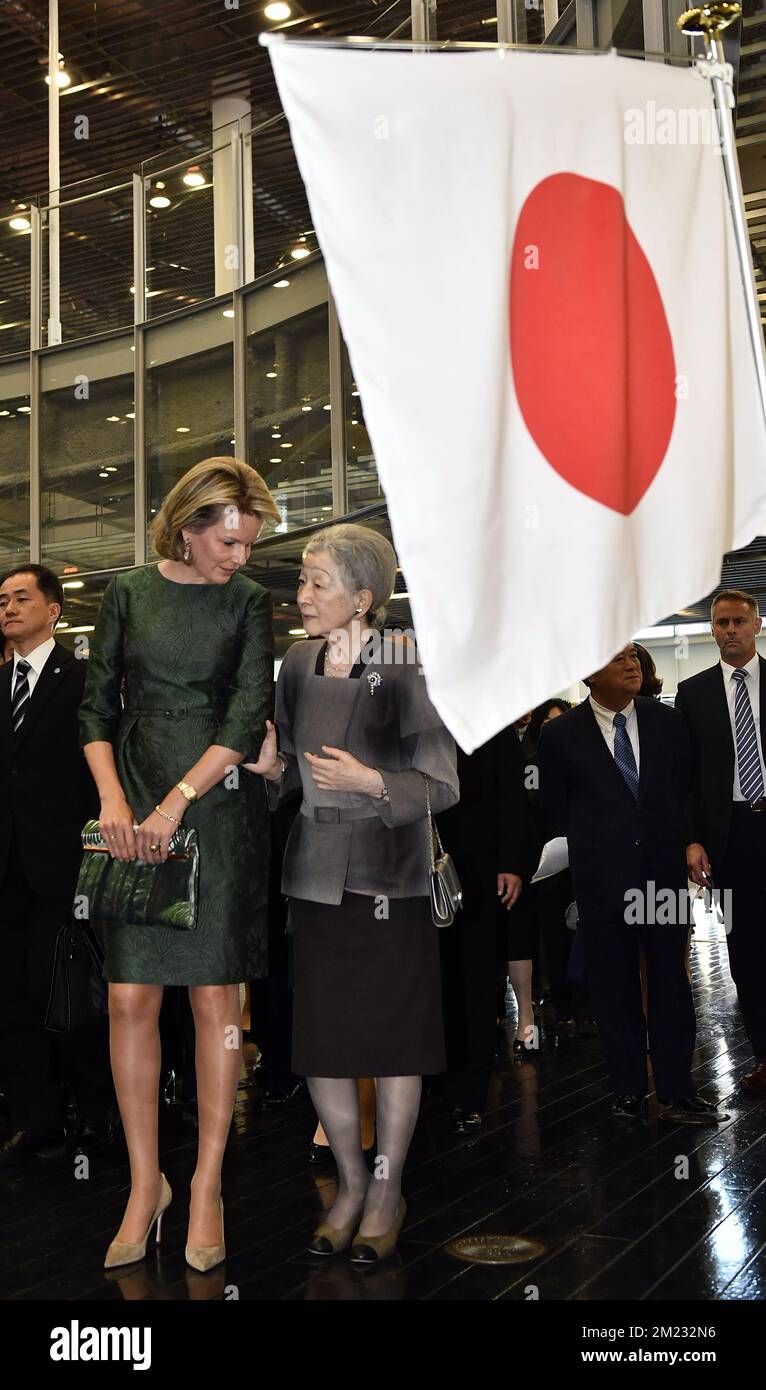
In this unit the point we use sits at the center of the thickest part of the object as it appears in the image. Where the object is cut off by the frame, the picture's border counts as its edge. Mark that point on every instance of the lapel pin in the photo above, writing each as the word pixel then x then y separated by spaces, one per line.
pixel 374 679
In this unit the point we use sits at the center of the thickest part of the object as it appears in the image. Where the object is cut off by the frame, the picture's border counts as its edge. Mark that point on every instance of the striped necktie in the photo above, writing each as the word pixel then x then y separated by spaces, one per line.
pixel 623 754
pixel 20 694
pixel 748 757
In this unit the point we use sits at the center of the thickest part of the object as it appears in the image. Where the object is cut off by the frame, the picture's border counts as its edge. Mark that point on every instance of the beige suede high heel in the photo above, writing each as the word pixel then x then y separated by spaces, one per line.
pixel 205 1257
pixel 126 1252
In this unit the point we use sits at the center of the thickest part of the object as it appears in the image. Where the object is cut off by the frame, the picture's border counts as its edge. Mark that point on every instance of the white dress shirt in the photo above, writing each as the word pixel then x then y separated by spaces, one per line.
pixel 753 687
pixel 37 660
pixel 605 721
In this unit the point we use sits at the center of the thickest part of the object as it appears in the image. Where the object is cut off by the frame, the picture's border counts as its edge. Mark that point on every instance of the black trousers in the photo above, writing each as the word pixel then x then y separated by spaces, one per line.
pixel 34 1062
pixel 743 873
pixel 612 965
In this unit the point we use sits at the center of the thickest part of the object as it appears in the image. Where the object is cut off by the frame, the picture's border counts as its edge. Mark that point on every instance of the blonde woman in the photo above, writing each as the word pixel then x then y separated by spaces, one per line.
pixel 191 639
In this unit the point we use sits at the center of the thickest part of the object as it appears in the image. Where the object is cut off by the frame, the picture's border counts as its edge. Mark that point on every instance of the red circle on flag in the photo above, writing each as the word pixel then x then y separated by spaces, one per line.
pixel 591 351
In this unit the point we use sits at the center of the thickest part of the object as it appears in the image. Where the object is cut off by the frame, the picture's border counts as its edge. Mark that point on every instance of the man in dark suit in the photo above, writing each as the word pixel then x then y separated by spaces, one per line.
pixel 46 795
pixel 724 709
pixel 613 776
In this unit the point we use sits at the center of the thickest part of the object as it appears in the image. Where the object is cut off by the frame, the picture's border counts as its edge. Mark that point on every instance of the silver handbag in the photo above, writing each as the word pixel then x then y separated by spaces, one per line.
pixel 446 893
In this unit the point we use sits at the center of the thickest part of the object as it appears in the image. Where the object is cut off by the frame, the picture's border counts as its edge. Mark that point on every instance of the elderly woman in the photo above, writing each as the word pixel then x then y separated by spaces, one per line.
pixel 358 732
pixel 191 639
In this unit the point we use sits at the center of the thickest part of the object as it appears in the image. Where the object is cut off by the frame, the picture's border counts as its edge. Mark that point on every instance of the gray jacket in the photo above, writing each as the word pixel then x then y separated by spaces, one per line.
pixel 348 840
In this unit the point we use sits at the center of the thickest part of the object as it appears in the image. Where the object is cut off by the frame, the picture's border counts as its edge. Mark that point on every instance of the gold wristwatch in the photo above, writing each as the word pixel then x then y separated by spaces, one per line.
pixel 187 791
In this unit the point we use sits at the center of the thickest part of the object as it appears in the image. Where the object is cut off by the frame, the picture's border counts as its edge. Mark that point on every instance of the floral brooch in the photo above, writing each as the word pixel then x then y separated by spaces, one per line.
pixel 374 679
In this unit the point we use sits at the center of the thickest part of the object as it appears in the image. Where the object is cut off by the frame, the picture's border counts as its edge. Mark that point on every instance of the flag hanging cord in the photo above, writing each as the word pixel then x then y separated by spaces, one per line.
pixel 365 44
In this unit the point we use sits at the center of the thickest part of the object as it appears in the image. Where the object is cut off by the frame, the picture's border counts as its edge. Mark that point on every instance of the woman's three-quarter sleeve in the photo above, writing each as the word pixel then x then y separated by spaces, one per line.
pixel 243 726
pixel 100 708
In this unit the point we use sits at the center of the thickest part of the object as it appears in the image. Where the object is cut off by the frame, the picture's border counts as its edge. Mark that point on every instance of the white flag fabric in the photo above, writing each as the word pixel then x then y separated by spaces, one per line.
pixel 533 262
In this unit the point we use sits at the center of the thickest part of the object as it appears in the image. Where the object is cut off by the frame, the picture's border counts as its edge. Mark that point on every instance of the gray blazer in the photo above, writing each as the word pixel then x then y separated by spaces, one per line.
pixel 348 840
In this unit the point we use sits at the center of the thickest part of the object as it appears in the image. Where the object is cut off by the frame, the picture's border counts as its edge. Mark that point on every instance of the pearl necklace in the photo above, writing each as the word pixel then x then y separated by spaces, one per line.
pixel 336 668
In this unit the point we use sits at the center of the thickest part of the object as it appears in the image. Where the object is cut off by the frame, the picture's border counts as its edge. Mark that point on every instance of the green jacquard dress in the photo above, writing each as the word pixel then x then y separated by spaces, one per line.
pixel 195 666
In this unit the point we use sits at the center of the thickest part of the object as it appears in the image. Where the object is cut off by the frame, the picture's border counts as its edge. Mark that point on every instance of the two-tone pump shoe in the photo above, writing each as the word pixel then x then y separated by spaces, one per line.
pixel 125 1252
pixel 370 1250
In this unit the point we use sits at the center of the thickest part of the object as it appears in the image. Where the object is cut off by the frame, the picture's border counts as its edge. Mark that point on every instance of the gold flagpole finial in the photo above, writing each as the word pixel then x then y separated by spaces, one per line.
pixel 709 20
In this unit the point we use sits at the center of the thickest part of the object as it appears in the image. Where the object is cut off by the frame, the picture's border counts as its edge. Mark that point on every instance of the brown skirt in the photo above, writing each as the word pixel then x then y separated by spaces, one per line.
pixel 367 998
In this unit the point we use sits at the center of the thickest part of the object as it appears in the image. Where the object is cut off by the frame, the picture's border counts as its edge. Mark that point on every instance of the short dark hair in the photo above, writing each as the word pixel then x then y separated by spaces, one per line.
pixel 651 683
pixel 539 716
pixel 735 596
pixel 48 583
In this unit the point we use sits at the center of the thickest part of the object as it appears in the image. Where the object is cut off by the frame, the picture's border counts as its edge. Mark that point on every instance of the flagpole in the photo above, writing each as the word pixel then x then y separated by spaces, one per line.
pixel 368 45
pixel 709 21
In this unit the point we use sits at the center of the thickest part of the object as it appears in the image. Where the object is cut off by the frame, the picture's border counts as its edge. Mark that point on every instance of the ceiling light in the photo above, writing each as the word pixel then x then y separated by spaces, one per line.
pixel 5 412
pixel 73 584
pixel 20 222
pixel 109 468
pixel 327 407
pixel 183 429
pixel 328 508
pixel 276 460
pixel 285 446
pixel 281 284
pixel 89 628
pixel 130 415
pixel 62 77
pixel 103 474
pixel 159 199
pixel 276 435
pixel 60 625
pixel 277 9
pixel 25 410
pixel 228 313
pixel 354 392
pixel 305 407
pixel 297 631
pixel 272 373
pixel 299 252
pixel 194 177
pixel 114 418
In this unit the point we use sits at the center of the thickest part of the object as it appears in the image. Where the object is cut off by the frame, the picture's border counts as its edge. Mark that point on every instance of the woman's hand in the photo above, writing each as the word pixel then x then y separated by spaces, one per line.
pixel 508 889
pixel 341 772
pixel 268 764
pixel 155 830
pixel 116 823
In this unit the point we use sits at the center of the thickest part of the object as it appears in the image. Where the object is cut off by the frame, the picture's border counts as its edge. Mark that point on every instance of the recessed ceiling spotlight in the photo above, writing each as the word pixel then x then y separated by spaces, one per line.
pixel 113 418
pixel 182 429
pixel 73 584
pixel 25 410
pixel 194 177
pixel 281 284
pixel 299 252
pixel 103 473
pixel 20 222
pixel 130 414
pixel 276 460
pixel 277 9
pixel 228 313
pixel 159 198
pixel 272 373
pixel 62 77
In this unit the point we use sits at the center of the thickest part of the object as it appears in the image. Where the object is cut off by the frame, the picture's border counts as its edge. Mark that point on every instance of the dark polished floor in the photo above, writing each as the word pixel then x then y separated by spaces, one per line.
pixel 624 1209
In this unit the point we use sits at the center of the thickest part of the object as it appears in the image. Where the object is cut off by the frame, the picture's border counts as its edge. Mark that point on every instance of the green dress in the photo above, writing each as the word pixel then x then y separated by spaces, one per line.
pixel 173 669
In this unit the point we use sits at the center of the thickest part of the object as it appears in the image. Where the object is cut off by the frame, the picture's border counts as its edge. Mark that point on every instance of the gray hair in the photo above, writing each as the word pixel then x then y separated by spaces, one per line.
pixel 365 559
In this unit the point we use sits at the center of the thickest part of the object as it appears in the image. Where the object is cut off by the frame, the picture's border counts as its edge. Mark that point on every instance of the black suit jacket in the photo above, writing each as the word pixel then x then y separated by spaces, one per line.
pixel 617 843
pixel 46 790
pixel 489 825
pixel 702 703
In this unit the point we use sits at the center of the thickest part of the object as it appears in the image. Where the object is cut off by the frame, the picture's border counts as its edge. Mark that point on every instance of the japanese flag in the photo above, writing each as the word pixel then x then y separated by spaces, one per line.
pixel 533 261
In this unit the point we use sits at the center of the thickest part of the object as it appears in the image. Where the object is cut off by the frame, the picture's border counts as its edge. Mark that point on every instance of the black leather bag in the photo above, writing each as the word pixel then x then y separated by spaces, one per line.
pixel 78 993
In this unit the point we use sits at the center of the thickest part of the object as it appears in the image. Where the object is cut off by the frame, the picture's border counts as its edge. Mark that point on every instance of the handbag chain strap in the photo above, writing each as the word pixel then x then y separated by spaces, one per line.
pixel 433 829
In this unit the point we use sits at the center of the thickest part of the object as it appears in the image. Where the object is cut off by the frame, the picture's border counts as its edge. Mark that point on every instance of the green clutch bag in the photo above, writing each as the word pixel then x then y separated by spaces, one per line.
pixel 129 891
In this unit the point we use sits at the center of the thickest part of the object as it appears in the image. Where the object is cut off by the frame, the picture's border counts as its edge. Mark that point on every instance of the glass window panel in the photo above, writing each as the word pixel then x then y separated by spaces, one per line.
pixel 180 235
pixel 363 484
pixel 288 393
pixel 96 261
pixel 82 600
pixel 14 465
pixel 189 396
pixel 15 290
pixel 86 456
